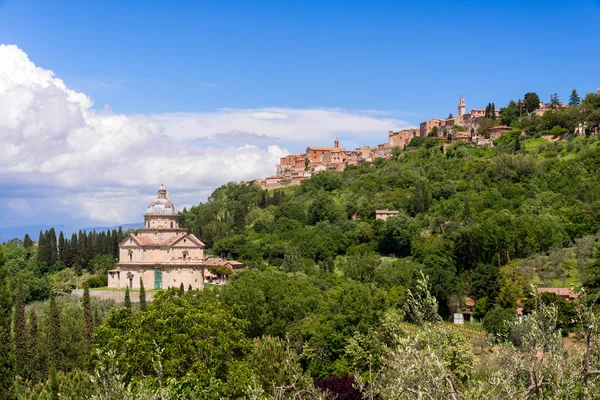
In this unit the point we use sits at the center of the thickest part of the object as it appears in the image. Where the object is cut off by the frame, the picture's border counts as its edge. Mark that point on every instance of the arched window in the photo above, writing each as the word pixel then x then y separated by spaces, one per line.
pixel 130 255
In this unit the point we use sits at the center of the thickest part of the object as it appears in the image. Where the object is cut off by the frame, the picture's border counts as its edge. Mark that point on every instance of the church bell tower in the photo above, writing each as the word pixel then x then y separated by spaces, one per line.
pixel 461 106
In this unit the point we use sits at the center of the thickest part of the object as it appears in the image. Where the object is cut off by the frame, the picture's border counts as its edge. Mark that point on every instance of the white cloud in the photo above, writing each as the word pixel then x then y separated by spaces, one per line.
pixel 110 163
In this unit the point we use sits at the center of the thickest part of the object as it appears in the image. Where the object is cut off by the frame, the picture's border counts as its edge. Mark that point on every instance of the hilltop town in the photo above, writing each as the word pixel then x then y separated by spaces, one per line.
pixel 480 127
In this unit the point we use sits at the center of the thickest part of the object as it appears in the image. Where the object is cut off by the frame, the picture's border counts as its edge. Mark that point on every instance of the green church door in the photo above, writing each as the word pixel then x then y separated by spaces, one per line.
pixel 157 278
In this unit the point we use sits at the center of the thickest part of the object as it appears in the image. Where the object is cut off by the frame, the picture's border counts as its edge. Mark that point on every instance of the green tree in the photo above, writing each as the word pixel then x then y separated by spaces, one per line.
pixel 33 363
pixel 517 146
pixel 143 304
pixel 322 208
pixel 7 376
pixel 181 289
pixel 205 345
pixel 20 335
pixel 54 335
pixel 574 99
pixel 466 216
pixel 89 318
pixel 421 198
pixel 554 101
pixel 421 306
pixel 292 259
pixel 531 102
pixel 497 321
pixel 127 302
pixel 27 242
pixel 512 282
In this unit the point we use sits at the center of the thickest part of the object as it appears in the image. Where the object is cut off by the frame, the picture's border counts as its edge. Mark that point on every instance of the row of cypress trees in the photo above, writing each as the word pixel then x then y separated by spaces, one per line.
pixel 77 251
pixel 19 352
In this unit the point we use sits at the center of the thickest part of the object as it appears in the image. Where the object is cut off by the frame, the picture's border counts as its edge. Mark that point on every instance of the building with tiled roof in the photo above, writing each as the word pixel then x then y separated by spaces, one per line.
pixel 161 253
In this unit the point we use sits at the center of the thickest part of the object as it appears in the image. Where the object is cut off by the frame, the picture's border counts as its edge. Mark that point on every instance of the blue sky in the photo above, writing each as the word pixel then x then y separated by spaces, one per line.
pixel 251 80
pixel 408 57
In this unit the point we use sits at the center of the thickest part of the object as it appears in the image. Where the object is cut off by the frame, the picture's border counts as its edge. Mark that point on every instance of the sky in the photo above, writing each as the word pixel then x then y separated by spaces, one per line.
pixel 101 101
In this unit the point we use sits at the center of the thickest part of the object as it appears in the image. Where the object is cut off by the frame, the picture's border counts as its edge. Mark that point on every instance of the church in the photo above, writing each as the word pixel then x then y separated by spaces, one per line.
pixel 161 253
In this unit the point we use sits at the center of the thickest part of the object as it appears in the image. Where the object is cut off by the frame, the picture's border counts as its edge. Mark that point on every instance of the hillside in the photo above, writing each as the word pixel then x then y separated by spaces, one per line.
pixel 463 215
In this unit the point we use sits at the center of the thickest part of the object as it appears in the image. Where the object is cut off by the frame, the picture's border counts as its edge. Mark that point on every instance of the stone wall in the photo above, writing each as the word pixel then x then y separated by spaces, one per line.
pixel 117 296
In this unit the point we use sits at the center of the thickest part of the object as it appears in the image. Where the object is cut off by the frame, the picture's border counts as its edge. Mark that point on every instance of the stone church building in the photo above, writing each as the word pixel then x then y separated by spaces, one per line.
pixel 161 253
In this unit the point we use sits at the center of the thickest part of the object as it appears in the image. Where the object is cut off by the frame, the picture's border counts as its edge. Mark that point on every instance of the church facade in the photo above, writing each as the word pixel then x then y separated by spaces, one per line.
pixel 161 253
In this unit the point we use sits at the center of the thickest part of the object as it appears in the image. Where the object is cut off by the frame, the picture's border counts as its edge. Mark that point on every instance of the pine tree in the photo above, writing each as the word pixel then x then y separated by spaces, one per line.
pixel 143 305
pixel 20 336
pixel 89 318
pixel 181 289
pixel 554 101
pixel 27 242
pixel 127 302
pixel 574 99
pixel 6 345
pixel 54 345
pixel 32 346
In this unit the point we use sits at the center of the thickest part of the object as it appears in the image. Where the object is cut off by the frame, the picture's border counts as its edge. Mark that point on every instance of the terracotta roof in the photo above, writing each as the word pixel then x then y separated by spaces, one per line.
pixel 144 241
pixel 563 292
pixel 500 127
pixel 319 148
pixel 172 240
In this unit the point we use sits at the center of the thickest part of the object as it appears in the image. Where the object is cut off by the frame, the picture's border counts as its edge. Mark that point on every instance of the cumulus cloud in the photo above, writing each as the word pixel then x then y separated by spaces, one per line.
pixel 54 142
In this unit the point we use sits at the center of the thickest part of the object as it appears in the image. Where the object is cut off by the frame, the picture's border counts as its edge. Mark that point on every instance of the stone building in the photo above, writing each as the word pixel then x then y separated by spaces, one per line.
pixel 385 214
pixel 402 138
pixel 161 253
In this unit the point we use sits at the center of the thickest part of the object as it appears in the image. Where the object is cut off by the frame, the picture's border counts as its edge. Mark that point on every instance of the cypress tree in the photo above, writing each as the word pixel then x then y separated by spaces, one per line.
pixel 467 212
pixel 89 318
pixel 517 144
pixel 53 247
pixel 127 302
pixel 54 352
pixel 54 387
pixel 6 345
pixel 20 336
pixel 143 305
pixel 32 345
pixel 115 240
pixel 61 247
pixel 120 235
pixel 42 253
pixel 27 242
pixel 190 287
pixel 181 289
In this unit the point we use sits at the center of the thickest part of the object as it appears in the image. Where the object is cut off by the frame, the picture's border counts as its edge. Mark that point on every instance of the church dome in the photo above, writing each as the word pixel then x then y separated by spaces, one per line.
pixel 162 204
